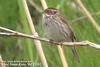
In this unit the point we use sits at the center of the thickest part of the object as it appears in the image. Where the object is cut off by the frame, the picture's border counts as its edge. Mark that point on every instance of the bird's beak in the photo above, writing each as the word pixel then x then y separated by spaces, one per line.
pixel 47 14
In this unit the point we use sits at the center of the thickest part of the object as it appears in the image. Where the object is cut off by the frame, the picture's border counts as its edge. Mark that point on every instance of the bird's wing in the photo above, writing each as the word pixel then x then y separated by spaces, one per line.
pixel 67 28
pixel 72 36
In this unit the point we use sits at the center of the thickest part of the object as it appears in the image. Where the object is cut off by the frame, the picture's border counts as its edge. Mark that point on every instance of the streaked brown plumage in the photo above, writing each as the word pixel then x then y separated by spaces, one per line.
pixel 58 29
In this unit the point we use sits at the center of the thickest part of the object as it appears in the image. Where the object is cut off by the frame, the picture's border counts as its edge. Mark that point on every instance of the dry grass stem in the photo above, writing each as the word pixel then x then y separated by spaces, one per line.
pixel 2 64
pixel 89 16
pixel 37 42
pixel 81 43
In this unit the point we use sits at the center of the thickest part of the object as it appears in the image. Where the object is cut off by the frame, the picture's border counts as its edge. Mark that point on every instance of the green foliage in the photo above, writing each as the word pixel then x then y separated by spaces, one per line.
pixel 8 19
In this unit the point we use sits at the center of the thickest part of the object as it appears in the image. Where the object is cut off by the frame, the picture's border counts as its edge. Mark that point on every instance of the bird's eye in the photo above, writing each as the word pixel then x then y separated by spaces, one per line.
pixel 55 12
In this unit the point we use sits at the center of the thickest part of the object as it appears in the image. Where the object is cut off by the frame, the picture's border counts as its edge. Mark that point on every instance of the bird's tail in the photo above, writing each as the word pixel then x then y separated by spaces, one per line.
pixel 75 54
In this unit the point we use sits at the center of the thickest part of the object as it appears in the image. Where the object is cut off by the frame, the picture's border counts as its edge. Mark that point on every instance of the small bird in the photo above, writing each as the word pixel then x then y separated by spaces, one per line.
pixel 58 29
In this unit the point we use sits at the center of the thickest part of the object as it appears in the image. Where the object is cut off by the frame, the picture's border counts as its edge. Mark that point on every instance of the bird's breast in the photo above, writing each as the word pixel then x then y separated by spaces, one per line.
pixel 53 30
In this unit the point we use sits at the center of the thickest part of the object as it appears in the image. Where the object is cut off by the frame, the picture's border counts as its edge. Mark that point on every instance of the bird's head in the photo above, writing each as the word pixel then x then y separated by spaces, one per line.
pixel 50 11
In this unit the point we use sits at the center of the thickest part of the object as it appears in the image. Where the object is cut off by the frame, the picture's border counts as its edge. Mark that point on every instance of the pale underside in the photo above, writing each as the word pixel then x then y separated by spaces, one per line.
pixel 56 30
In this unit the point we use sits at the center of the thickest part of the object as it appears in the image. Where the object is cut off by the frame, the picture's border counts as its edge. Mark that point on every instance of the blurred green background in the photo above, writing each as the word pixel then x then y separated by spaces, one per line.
pixel 12 16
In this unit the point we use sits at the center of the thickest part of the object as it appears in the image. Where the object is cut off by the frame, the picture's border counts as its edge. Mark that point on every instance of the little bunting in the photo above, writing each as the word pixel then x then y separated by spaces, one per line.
pixel 58 29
